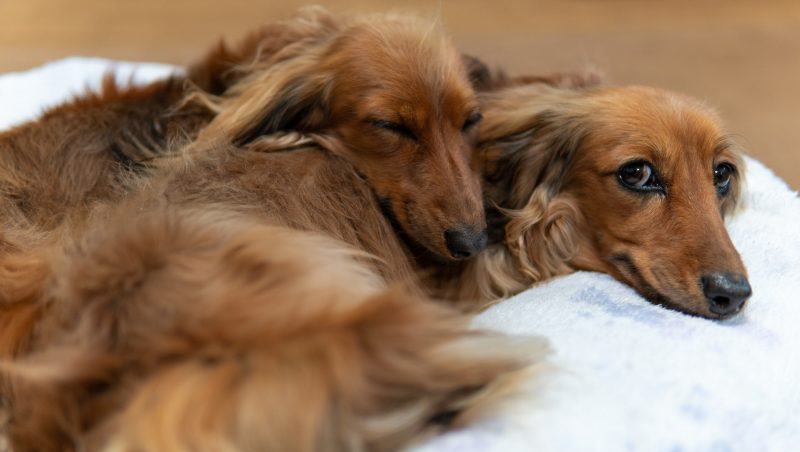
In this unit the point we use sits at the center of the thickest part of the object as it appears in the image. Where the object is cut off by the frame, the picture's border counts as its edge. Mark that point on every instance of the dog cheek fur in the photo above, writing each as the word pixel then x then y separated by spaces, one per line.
pixel 541 241
pixel 543 235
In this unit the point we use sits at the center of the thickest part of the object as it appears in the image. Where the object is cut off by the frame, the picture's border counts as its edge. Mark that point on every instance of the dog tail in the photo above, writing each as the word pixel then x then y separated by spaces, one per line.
pixel 206 332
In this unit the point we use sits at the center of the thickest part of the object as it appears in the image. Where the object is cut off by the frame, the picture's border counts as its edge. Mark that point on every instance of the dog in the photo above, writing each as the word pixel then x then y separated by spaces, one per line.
pixel 634 182
pixel 273 305
pixel 53 171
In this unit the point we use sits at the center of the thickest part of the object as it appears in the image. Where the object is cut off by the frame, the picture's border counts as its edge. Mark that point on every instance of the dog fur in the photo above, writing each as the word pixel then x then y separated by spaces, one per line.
pixel 187 329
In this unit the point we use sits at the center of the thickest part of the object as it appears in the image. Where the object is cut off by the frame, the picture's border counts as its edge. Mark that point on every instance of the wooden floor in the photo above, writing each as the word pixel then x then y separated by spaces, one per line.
pixel 742 57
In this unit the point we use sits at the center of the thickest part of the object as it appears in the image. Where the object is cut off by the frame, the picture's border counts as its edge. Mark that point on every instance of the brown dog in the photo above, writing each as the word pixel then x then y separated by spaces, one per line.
pixel 54 170
pixel 634 182
pixel 226 301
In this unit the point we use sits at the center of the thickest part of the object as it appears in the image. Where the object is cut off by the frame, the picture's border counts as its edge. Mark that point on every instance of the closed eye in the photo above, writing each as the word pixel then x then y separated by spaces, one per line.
pixel 395 128
pixel 472 120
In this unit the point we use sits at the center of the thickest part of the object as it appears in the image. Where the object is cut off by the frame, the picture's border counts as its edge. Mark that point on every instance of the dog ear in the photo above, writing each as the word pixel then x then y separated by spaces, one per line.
pixel 224 65
pixel 478 73
pixel 289 96
pixel 524 174
pixel 520 152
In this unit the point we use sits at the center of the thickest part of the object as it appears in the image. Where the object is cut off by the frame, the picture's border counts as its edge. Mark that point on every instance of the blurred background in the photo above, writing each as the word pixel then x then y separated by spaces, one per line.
pixel 742 57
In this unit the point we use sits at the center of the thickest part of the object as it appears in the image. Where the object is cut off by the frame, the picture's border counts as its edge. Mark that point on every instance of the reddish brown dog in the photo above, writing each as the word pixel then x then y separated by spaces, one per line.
pixel 634 182
pixel 226 300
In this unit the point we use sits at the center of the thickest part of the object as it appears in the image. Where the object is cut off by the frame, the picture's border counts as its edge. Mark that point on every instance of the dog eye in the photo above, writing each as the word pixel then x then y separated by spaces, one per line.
pixel 722 177
pixel 472 120
pixel 639 176
pixel 396 128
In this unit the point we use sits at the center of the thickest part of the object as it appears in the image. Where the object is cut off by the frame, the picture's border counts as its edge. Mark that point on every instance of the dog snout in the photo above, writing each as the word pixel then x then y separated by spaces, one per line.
pixel 465 242
pixel 726 292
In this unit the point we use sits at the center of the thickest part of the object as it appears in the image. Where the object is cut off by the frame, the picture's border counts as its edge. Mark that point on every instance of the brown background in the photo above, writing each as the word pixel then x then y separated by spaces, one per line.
pixel 742 57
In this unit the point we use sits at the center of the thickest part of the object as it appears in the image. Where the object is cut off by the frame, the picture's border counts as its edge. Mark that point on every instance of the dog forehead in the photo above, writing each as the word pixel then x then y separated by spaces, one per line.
pixel 666 125
pixel 411 96
pixel 415 108
pixel 399 50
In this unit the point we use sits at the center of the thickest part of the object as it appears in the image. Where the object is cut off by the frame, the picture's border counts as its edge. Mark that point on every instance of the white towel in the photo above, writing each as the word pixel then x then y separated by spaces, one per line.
pixel 629 376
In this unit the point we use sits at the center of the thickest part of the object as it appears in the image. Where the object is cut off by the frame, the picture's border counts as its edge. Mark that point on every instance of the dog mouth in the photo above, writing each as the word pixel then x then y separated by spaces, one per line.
pixel 454 244
pixel 414 245
pixel 731 314
pixel 626 266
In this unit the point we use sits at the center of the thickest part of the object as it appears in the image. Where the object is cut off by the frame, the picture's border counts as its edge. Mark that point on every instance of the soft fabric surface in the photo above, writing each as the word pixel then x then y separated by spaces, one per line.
pixel 632 376
pixel 25 94
pixel 627 375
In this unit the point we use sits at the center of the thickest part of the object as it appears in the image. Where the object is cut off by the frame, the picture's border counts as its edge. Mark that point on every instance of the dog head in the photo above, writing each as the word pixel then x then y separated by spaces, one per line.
pixel 634 182
pixel 394 97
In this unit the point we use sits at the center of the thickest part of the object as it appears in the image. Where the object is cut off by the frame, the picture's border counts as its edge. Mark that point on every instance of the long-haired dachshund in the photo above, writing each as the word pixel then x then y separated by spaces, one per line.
pixel 224 302
pixel 634 182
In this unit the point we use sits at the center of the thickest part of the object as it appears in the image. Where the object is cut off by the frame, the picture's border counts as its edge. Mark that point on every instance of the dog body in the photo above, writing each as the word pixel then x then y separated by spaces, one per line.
pixel 241 288
pixel 55 168
pixel 289 181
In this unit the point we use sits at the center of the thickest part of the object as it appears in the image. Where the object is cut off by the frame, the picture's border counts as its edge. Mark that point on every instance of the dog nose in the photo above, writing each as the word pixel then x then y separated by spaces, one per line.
pixel 725 292
pixel 465 242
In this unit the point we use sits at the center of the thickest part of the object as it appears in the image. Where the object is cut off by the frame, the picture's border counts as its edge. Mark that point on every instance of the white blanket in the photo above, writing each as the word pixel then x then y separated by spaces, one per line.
pixel 628 376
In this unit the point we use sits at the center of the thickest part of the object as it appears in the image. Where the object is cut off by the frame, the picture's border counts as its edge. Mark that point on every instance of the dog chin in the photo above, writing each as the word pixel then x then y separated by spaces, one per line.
pixel 687 308
pixel 412 239
pixel 427 251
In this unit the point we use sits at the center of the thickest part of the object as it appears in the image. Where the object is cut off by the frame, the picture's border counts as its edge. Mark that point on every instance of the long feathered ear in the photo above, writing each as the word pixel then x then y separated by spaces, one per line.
pixel 529 148
pixel 525 169
pixel 478 73
pixel 291 95
pixel 225 65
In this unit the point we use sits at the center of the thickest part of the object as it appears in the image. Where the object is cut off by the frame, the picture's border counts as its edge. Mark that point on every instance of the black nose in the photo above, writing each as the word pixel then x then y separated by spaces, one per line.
pixel 465 242
pixel 725 292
